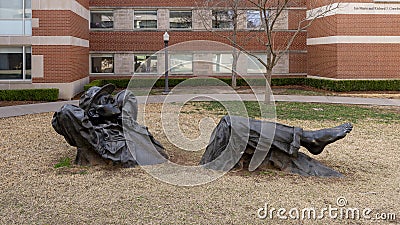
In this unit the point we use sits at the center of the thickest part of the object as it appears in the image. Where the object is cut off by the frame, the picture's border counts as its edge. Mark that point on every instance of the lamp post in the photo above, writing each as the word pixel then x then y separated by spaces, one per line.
pixel 166 40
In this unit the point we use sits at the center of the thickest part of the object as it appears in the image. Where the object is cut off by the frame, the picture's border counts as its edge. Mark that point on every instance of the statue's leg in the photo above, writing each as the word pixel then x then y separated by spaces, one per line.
pixel 315 141
pixel 289 139
pixel 284 153
pixel 218 141
pixel 285 138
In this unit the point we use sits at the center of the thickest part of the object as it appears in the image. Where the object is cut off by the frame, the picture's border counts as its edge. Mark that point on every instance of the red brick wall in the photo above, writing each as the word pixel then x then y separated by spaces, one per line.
pixel 368 61
pixel 355 25
pixel 171 3
pixel 152 41
pixel 354 61
pixel 368 25
pixel 294 17
pixel 60 23
pixel 323 27
pixel 297 62
pixel 84 3
pixel 62 64
pixel 322 60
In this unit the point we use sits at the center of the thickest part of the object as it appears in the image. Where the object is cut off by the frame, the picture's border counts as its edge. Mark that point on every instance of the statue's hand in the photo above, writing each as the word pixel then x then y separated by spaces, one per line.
pixel 107 110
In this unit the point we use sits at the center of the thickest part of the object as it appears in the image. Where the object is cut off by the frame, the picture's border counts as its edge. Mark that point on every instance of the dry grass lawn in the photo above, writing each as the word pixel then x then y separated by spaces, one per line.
pixel 32 191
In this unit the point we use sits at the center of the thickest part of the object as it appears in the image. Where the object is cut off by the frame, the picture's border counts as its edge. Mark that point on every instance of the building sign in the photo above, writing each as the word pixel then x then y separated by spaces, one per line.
pixel 377 8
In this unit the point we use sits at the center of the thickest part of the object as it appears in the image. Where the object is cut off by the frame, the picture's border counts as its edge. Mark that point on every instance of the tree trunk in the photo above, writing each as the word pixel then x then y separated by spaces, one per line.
pixel 234 68
pixel 268 90
pixel 88 157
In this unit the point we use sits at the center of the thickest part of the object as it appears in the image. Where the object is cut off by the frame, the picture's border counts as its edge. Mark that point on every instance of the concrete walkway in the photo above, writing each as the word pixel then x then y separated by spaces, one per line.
pixel 20 110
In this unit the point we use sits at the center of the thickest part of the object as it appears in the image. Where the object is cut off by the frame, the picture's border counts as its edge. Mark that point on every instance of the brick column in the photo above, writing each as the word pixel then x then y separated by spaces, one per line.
pixel 61 55
pixel 356 41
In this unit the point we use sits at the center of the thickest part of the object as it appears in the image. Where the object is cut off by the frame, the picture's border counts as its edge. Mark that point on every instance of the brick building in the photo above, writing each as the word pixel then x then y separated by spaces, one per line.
pixel 64 44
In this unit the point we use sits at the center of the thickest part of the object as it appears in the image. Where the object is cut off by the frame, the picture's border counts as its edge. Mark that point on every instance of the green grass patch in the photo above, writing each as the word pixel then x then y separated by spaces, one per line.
pixel 251 108
pixel 63 162
pixel 297 92
pixel 334 112
pixel 307 111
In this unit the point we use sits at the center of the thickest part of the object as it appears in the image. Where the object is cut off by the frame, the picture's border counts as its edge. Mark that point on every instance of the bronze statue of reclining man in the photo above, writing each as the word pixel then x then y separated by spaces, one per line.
pixel 97 129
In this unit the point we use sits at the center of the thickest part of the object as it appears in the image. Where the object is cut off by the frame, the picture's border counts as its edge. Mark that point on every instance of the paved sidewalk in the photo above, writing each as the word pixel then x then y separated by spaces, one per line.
pixel 20 110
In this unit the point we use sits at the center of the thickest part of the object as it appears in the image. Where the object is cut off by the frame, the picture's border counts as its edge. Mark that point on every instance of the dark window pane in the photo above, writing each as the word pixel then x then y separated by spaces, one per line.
pixel 101 20
pixel 180 19
pixel 145 19
pixel 28 66
pixel 253 19
pixel 222 19
pixel 10 66
pixel 102 65
pixel 145 64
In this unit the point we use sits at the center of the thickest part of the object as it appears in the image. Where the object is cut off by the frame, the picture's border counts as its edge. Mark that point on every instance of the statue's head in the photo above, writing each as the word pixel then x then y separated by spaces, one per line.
pixel 98 102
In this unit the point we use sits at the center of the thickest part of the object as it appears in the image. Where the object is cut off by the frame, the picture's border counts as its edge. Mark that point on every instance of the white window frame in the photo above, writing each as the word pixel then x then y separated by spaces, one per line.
pixel 145 54
pixel 184 28
pixel 25 50
pixel 247 20
pixel 101 11
pixel 134 20
pixel 213 18
pixel 95 55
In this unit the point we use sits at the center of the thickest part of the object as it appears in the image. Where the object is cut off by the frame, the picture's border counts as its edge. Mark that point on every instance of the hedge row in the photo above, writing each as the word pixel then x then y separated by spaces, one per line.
pixel 324 84
pixel 29 95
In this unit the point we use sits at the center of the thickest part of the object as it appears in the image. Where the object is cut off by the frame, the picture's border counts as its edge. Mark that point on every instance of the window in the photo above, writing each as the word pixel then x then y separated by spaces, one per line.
pixel 15 17
pixel 222 19
pixel 253 19
pixel 102 64
pixel 15 63
pixel 180 19
pixel 254 66
pixel 145 63
pixel 222 63
pixel 181 63
pixel 101 19
pixel 145 19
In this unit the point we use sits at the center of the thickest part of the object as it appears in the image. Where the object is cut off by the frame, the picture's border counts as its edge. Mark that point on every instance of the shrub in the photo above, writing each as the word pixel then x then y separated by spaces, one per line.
pixel 93 83
pixel 325 84
pixel 29 95
pixel 354 85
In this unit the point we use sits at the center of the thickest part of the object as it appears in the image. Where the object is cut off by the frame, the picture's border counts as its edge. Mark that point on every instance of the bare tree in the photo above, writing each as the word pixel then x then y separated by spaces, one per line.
pixel 274 44
pixel 226 16
pixel 271 11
